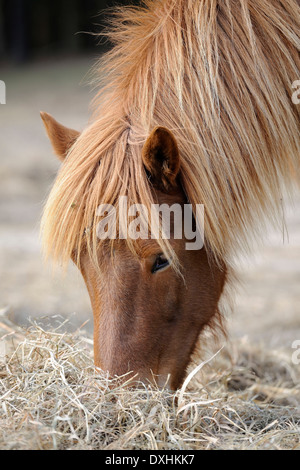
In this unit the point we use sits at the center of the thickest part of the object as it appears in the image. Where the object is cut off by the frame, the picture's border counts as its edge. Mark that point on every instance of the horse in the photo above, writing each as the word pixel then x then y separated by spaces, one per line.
pixel 194 107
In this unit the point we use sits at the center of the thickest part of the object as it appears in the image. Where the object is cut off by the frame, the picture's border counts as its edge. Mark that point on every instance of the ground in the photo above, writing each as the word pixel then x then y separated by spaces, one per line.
pixel 267 307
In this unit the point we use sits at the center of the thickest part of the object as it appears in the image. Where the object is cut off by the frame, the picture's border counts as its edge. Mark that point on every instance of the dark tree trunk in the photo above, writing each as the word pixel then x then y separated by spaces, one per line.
pixel 2 35
pixel 17 20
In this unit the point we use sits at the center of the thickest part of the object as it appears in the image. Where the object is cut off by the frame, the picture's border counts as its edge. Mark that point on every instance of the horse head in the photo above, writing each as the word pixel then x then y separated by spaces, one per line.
pixel 147 315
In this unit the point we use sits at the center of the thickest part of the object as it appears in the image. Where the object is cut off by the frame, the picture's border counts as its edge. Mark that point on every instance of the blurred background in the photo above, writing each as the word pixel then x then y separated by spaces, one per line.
pixel 46 52
pixel 31 29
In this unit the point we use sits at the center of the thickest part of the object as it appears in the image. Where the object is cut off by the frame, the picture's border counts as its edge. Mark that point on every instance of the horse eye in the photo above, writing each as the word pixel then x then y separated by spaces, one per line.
pixel 160 263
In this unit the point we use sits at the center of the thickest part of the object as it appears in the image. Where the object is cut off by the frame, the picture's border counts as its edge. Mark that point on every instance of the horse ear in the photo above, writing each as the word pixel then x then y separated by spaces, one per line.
pixel 60 136
pixel 161 158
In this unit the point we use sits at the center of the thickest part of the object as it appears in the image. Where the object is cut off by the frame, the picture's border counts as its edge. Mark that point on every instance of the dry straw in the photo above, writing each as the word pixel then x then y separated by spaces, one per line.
pixel 51 397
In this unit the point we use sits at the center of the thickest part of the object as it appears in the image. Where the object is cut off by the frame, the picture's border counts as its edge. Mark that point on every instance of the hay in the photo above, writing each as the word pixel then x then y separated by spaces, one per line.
pixel 51 397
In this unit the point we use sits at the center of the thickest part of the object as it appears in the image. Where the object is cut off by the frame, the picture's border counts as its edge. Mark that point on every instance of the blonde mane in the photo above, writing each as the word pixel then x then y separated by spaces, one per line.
pixel 219 75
